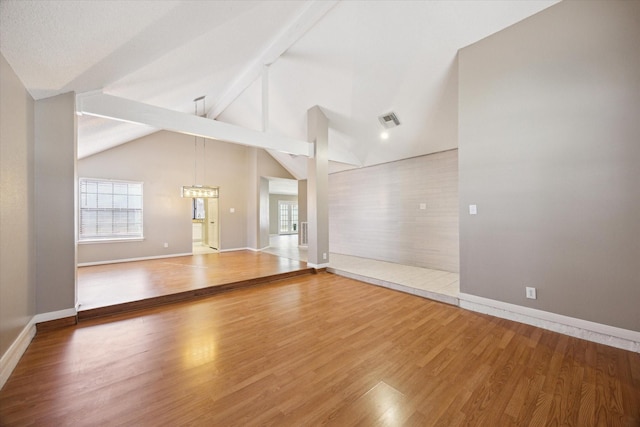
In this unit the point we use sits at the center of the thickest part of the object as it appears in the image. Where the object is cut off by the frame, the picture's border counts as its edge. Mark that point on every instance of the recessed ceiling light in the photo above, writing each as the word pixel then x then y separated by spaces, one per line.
pixel 384 135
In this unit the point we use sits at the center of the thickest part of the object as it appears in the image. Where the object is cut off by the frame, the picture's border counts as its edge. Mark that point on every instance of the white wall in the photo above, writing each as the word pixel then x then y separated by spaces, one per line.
pixel 17 207
pixel 550 152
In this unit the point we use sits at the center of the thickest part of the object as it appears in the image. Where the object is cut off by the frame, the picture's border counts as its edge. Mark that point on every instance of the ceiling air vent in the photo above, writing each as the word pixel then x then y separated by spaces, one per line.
pixel 389 120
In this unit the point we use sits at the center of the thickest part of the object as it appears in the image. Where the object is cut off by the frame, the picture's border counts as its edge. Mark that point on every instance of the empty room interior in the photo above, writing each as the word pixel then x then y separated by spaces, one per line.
pixel 320 212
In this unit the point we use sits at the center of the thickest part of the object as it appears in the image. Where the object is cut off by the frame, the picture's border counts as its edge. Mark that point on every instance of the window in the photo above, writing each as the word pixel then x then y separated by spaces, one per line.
pixel 110 210
pixel 288 217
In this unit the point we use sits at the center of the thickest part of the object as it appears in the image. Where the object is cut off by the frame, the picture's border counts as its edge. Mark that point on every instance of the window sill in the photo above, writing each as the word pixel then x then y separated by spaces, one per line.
pixel 115 240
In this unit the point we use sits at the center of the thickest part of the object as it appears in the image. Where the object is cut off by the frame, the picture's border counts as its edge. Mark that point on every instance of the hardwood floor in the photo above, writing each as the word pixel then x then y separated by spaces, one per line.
pixel 113 288
pixel 318 349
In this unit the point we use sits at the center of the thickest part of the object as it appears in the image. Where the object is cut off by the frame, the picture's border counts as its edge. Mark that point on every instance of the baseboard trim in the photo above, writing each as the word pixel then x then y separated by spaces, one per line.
pixel 54 315
pixel 145 258
pixel 591 331
pixel 236 249
pixel 318 266
pixel 12 356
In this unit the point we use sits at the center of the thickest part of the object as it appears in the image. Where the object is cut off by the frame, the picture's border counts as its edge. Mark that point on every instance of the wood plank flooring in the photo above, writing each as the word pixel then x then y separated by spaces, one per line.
pixel 312 350
pixel 113 288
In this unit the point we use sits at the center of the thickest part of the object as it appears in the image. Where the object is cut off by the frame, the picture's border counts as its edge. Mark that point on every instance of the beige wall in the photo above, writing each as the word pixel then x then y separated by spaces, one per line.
pixel 375 212
pixel 164 161
pixel 260 167
pixel 550 154
pixel 17 234
pixel 55 168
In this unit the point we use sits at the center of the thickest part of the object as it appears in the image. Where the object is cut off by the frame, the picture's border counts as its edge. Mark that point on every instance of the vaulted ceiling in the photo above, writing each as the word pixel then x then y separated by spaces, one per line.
pixel 357 60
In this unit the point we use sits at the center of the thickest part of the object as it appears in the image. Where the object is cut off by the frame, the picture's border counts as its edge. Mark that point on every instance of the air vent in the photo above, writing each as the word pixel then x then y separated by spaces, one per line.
pixel 389 120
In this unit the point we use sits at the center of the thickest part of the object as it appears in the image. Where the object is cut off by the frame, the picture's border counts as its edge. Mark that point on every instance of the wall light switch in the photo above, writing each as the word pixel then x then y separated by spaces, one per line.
pixel 423 206
pixel 232 210
pixel 473 209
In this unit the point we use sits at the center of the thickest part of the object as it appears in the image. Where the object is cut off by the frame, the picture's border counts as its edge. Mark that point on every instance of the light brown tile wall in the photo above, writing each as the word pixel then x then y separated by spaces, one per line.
pixel 374 212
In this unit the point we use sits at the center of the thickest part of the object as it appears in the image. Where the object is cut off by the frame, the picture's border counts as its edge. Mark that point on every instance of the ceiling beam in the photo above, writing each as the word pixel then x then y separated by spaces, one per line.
pixel 302 23
pixel 125 110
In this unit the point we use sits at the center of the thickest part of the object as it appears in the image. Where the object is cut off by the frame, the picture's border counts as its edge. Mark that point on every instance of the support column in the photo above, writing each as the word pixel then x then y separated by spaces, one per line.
pixel 318 189
pixel 55 205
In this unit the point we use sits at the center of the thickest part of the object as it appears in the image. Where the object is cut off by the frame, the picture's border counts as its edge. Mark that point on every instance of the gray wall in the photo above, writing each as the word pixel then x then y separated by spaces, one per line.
pixel 375 212
pixel 55 172
pixel 550 153
pixel 17 236
pixel 273 209
pixel 164 162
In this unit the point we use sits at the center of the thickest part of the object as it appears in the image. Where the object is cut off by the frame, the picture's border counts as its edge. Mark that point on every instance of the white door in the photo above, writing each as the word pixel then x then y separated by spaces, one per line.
pixel 212 223
pixel 287 217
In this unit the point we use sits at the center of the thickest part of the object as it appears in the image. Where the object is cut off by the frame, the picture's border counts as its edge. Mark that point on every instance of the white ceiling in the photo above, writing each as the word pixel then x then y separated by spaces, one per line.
pixel 355 59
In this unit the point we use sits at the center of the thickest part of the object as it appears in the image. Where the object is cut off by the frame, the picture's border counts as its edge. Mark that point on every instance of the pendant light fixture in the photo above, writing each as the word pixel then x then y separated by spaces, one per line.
pixel 199 191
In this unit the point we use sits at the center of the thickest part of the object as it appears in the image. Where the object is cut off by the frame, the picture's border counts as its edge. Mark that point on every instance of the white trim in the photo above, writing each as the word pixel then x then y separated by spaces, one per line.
pixel 12 356
pixel 318 266
pixel 110 240
pixel 128 110
pixel 116 261
pixel 54 315
pixel 244 249
pixel 236 249
pixel 603 334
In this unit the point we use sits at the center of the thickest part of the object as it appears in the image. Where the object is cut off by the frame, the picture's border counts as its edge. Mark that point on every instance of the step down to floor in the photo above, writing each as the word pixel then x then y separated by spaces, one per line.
pixel 186 295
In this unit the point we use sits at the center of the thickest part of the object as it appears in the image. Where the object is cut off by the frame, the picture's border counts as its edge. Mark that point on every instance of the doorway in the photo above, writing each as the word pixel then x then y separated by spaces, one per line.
pixel 213 233
pixel 205 229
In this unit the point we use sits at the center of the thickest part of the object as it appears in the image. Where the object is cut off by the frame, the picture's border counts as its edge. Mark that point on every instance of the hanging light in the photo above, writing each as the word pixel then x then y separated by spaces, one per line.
pixel 197 191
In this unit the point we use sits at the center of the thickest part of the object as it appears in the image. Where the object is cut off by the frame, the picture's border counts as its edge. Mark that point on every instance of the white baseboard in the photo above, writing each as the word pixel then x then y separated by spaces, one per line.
pixel 578 328
pixel 318 266
pixel 54 315
pixel 236 249
pixel 12 356
pixel 116 261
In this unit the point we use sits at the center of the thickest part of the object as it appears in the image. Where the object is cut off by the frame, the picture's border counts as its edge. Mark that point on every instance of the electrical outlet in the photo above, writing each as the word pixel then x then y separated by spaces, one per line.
pixel 166 245
pixel 531 292
pixel 324 255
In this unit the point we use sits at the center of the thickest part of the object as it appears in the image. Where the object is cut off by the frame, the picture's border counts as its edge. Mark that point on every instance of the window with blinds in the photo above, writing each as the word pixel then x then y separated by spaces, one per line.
pixel 110 210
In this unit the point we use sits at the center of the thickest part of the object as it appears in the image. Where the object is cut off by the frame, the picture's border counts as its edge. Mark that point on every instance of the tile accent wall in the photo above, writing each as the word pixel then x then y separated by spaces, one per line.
pixel 404 212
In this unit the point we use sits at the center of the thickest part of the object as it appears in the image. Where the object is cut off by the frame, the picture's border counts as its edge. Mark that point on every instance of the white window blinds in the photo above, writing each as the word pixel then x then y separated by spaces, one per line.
pixel 110 209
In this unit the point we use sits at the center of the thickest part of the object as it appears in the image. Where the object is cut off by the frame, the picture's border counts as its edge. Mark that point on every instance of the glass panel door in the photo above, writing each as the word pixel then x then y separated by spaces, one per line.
pixel 287 217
